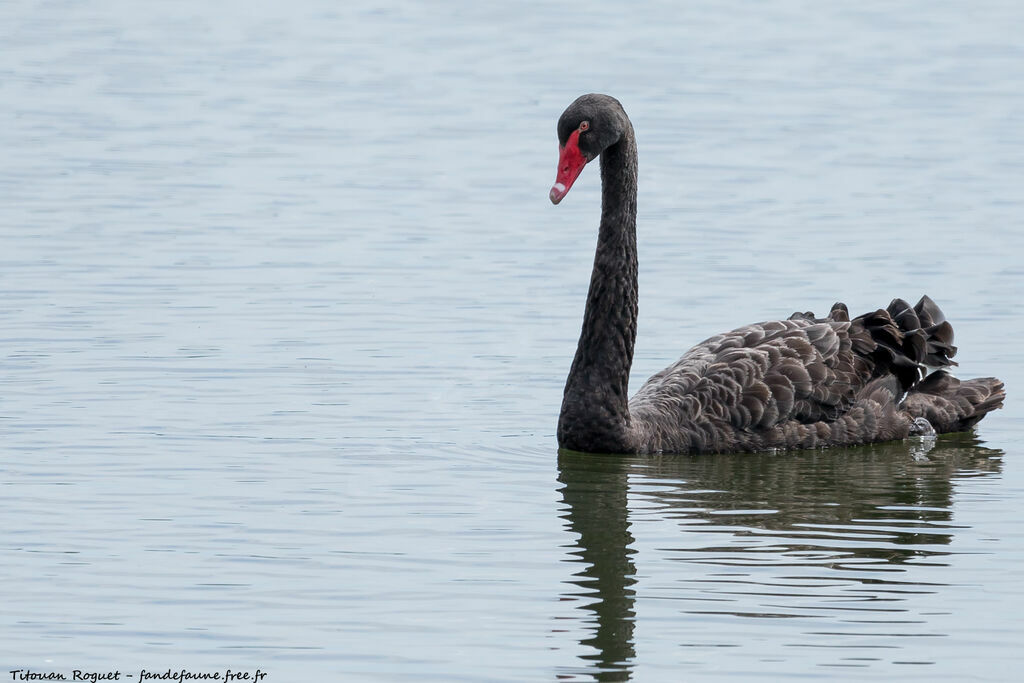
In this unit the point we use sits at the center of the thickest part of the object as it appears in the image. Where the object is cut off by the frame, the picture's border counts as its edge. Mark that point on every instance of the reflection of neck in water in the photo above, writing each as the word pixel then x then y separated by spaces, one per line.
pixel 595 498
pixel 870 509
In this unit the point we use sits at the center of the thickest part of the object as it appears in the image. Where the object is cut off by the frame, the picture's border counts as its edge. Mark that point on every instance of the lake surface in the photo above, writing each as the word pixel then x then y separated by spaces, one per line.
pixel 287 313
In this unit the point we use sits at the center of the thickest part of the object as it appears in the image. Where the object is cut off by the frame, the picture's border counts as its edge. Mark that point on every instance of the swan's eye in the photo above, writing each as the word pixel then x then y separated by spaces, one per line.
pixel 585 126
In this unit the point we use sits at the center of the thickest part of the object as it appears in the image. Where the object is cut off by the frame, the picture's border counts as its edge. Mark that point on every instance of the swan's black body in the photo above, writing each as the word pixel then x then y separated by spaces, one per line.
pixel 803 382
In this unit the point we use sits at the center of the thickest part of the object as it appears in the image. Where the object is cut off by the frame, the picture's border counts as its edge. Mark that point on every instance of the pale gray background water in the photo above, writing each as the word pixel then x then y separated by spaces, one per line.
pixel 286 314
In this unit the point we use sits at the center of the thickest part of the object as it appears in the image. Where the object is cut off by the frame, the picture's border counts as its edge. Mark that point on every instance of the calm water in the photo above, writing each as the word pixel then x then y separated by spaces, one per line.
pixel 286 316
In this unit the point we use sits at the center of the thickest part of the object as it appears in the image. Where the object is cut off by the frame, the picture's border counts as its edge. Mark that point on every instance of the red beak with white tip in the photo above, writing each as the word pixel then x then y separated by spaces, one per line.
pixel 570 164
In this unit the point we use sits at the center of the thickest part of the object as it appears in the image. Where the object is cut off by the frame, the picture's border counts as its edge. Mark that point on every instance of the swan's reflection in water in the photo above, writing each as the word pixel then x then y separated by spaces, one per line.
pixel 833 540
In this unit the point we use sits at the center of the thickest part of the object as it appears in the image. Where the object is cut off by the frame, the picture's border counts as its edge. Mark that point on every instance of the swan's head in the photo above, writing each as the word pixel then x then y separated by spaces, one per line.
pixel 590 125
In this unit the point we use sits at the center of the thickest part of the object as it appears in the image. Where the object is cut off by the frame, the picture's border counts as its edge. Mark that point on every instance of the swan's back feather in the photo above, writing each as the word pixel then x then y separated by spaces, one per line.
pixel 806 382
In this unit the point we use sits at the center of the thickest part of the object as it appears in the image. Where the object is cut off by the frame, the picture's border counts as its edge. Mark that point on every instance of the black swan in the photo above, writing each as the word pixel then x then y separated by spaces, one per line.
pixel 803 382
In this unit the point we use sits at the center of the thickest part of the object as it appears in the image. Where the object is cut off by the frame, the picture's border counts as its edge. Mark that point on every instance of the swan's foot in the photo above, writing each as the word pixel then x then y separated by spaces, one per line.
pixel 921 427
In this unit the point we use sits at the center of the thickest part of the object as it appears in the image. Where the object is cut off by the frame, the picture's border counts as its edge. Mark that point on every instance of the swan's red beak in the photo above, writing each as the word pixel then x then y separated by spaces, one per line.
pixel 570 163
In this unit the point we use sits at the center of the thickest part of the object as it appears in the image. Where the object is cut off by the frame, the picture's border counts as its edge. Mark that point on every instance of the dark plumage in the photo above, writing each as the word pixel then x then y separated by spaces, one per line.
pixel 804 382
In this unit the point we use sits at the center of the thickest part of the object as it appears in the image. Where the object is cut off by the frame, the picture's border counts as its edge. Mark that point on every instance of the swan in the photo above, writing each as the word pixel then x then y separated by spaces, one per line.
pixel 802 382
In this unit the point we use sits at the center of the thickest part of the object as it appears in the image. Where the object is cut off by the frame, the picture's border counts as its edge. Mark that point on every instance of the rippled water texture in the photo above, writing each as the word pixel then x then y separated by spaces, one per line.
pixel 286 316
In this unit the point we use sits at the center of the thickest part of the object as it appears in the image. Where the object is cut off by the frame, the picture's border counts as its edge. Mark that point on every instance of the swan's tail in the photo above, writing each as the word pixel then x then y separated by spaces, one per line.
pixel 951 405
pixel 906 341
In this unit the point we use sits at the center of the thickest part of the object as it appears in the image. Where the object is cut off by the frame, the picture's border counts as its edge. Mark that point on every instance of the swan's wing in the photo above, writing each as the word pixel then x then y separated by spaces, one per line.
pixel 802 371
pixel 760 375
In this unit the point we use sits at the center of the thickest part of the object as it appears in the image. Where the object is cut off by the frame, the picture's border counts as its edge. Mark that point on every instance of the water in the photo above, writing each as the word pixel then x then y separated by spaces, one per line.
pixel 287 315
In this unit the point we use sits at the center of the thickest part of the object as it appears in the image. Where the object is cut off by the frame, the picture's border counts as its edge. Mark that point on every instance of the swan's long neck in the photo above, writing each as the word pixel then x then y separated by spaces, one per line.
pixel 595 405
